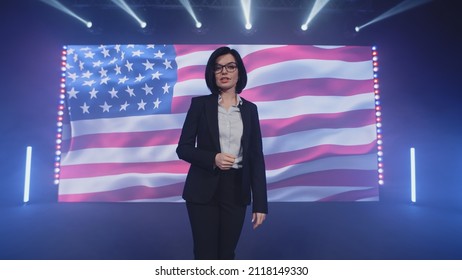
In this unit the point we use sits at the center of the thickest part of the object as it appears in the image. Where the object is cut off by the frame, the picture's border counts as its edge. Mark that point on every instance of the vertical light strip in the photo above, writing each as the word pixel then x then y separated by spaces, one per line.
pixel 27 174
pixel 60 118
pixel 378 116
pixel 413 181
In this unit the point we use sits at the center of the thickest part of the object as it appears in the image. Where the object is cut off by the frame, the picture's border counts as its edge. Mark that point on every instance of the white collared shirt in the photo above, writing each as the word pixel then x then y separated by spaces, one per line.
pixel 230 130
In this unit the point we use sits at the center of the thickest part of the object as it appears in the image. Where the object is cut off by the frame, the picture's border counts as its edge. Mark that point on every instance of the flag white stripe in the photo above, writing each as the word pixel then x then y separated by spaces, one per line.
pixel 359 162
pixel 116 182
pixel 158 153
pixel 309 193
pixel 309 69
pixel 170 199
pixel 127 124
pixel 193 59
pixel 192 87
pixel 314 105
pixel 324 136
pixel 328 47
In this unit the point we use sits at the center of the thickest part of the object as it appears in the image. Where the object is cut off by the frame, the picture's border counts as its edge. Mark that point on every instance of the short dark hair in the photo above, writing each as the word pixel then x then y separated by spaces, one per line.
pixel 210 70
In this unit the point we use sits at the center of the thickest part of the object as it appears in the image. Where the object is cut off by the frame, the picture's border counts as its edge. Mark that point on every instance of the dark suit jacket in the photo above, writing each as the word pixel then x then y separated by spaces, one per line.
pixel 199 143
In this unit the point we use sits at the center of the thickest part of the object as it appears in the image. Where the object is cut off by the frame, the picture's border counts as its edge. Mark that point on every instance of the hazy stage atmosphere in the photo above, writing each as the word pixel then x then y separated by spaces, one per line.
pixel 417 44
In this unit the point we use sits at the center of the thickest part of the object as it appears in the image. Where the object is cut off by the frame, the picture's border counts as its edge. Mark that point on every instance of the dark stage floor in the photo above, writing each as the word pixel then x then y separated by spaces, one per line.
pixel 332 231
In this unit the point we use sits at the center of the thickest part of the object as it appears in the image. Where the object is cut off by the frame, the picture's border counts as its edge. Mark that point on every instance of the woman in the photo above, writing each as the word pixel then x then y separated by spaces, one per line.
pixel 221 139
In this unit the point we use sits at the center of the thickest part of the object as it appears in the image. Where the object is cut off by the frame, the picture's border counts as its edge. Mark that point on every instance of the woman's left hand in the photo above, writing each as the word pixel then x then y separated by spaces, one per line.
pixel 258 219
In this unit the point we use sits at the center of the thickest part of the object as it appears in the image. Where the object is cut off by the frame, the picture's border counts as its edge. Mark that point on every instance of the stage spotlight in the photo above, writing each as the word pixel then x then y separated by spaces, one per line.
pixel 124 6
pixel 401 7
pixel 55 4
pixel 318 5
pixel 188 8
pixel 245 4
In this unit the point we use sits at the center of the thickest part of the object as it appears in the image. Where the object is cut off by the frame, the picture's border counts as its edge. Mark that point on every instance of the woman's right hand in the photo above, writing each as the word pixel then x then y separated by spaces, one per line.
pixel 224 161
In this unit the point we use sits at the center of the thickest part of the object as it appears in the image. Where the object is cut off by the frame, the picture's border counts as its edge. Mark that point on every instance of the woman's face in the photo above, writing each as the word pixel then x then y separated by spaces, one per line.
pixel 226 73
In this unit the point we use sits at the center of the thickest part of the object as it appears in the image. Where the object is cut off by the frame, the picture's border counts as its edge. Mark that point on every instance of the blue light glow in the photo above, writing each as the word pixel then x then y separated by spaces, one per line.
pixel 413 177
pixel 27 174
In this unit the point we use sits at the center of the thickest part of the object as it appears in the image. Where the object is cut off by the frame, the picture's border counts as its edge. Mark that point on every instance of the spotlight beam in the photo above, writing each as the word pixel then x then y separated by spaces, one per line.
pixel 124 6
pixel 189 8
pixel 245 4
pixel 317 7
pixel 401 7
pixel 55 4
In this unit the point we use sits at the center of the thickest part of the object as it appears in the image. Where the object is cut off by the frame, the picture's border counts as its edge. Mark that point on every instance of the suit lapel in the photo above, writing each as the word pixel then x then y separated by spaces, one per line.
pixel 211 113
pixel 245 115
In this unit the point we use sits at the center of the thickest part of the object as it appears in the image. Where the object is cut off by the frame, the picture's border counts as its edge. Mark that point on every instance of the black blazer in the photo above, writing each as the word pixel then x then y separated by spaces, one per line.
pixel 199 143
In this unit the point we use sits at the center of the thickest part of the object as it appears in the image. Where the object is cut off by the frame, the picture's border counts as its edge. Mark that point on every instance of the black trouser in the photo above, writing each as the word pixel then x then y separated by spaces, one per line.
pixel 217 225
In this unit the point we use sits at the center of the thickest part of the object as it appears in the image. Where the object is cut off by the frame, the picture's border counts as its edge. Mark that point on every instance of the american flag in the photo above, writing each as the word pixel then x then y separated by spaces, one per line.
pixel 126 105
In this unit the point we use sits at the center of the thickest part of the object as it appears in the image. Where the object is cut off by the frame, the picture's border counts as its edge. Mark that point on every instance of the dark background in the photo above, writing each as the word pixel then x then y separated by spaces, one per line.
pixel 419 71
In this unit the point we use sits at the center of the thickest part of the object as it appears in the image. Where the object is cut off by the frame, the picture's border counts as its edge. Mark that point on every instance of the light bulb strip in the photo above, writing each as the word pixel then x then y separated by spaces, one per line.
pixel 378 114
pixel 60 117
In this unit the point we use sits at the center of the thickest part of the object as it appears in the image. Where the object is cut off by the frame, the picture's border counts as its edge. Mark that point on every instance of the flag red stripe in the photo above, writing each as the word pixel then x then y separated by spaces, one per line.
pixel 180 104
pixel 107 169
pixel 191 73
pixel 124 139
pixel 350 119
pixel 328 178
pixel 317 87
pixel 353 195
pixel 280 160
pixel 126 194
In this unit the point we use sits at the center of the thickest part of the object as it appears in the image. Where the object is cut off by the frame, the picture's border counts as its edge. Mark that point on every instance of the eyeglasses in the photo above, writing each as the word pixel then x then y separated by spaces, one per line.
pixel 230 67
